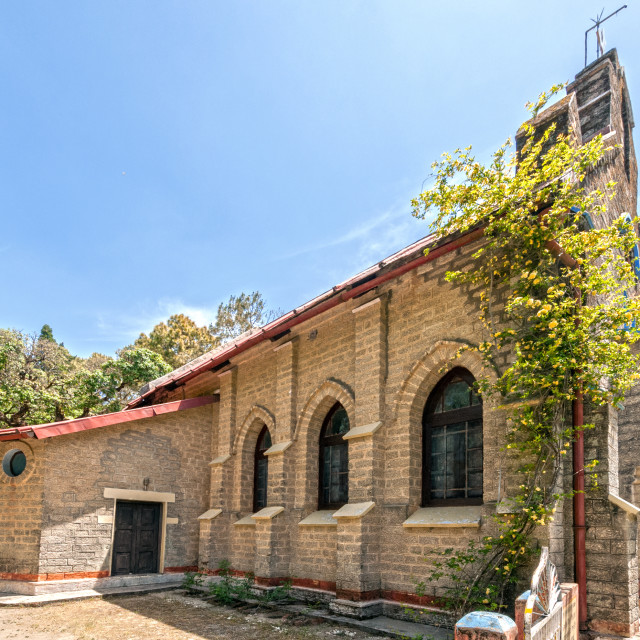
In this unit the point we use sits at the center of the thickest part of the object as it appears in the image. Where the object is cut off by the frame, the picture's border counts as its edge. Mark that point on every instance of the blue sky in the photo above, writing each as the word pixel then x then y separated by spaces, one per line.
pixel 158 156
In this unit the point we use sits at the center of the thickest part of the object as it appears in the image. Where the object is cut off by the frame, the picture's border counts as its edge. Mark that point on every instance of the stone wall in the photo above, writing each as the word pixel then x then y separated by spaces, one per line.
pixel 56 523
pixel 21 512
pixel 380 355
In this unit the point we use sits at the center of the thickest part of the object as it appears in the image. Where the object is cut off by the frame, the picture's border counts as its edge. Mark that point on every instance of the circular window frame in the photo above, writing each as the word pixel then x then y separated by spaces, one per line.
pixel 9 462
pixel 30 465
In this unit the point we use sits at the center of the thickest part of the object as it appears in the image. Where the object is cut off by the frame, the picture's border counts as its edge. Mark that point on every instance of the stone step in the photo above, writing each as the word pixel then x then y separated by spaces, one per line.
pixel 12 600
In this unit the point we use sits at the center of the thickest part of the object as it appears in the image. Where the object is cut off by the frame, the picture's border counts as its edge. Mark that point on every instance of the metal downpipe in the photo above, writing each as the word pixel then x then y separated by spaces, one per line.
pixel 579 521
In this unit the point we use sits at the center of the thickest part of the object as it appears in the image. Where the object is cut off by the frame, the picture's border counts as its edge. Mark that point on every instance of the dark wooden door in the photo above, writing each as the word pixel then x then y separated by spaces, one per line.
pixel 136 541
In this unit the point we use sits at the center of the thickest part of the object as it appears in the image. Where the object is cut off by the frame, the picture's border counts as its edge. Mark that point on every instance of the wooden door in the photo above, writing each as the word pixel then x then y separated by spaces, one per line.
pixel 136 541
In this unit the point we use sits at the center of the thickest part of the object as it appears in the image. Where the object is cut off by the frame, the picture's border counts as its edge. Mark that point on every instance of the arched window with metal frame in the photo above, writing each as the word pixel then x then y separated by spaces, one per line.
pixel 261 470
pixel 333 490
pixel 452 442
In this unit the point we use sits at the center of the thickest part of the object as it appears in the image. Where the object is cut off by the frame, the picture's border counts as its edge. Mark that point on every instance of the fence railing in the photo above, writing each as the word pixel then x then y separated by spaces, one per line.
pixel 543 609
pixel 548 611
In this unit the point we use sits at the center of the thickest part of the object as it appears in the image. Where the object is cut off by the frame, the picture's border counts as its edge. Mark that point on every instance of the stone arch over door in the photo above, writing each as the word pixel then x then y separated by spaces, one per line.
pixel 404 437
pixel 307 436
pixel 243 449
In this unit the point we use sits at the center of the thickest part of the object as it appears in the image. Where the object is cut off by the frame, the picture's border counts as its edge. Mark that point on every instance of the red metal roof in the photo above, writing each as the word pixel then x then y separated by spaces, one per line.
pixel 392 267
pixel 95 422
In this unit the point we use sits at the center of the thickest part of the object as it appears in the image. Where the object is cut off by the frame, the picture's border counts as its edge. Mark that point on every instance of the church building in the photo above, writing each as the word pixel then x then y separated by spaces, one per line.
pixel 336 447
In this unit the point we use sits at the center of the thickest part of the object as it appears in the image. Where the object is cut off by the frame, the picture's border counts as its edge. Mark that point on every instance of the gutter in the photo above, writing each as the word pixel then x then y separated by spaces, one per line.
pixel 579 518
pixel 54 429
pixel 17 433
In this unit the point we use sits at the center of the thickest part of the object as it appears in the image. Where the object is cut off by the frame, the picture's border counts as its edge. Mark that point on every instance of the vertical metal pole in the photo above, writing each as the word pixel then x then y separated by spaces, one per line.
pixel 585 46
pixel 597 24
pixel 579 523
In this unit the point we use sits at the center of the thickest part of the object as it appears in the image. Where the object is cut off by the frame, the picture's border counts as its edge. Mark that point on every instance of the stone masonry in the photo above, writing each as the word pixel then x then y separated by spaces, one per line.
pixel 379 354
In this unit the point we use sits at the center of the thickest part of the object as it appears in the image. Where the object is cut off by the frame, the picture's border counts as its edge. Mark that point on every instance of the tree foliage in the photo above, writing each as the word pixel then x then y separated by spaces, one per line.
pixel 36 379
pixel 40 381
pixel 46 333
pixel 178 340
pixel 553 329
pixel 241 313
pixel 111 385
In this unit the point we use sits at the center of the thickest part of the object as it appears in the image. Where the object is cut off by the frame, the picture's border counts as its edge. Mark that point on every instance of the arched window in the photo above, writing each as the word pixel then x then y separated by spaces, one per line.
pixel 452 440
pixel 334 459
pixel 261 470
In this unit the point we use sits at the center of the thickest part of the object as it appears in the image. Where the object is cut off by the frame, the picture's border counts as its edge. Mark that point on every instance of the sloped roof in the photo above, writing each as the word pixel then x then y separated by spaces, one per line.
pixel 392 267
pixel 94 422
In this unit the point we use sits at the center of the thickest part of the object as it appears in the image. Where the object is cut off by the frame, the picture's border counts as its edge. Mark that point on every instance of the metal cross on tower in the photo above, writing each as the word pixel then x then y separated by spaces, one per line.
pixel 599 34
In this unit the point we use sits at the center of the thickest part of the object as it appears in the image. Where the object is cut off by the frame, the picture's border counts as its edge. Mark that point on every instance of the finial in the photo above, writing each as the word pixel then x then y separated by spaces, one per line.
pixel 600 43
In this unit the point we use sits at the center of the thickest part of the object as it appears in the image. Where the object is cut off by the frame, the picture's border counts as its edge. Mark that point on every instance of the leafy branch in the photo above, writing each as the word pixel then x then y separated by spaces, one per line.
pixel 554 299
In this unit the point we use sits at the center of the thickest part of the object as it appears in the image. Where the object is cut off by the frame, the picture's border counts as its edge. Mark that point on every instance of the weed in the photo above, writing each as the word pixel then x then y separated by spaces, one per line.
pixel 192 580
pixel 228 590
pixel 277 594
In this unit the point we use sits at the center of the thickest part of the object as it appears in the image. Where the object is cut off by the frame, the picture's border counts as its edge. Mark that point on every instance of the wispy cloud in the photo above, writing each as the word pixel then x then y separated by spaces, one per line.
pixel 361 231
pixel 387 230
pixel 372 240
pixel 126 327
pixel 364 244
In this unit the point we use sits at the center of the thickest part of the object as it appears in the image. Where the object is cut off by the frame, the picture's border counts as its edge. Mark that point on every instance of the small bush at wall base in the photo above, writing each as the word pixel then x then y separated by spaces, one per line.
pixel 278 594
pixel 192 581
pixel 229 590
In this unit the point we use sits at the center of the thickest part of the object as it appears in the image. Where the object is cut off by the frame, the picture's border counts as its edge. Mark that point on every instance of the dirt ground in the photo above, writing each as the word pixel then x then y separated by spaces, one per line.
pixel 168 615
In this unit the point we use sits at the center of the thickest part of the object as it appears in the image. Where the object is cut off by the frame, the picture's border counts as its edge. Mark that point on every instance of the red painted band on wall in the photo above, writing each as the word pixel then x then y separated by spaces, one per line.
pixel 614 628
pixel 308 583
pixel 357 596
pixel 192 567
pixel 401 597
pixel 270 582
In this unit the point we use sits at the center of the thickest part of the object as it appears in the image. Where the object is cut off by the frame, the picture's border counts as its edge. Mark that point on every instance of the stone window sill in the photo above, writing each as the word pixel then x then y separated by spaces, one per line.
pixel 354 510
pixel 267 513
pixel 363 431
pixel 319 519
pixel 247 521
pixel 210 515
pixel 449 517
pixel 278 448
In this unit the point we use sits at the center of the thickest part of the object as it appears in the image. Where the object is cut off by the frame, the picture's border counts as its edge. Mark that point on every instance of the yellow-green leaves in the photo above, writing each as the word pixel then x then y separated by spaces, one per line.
pixel 554 297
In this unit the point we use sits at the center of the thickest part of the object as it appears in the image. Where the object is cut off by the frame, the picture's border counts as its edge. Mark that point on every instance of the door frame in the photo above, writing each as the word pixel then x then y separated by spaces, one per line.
pixel 141 496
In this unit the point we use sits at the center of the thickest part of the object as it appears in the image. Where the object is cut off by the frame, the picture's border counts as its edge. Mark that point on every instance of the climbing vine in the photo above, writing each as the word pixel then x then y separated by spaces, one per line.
pixel 553 281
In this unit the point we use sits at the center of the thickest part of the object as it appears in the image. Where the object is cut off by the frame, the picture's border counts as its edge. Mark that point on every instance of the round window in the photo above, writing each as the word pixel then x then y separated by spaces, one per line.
pixel 14 462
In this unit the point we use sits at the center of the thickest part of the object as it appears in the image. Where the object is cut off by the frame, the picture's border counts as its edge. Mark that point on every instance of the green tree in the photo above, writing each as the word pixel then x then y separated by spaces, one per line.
pixel 178 340
pixel 40 381
pixel 36 379
pixel 109 385
pixel 46 333
pixel 554 329
pixel 241 313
